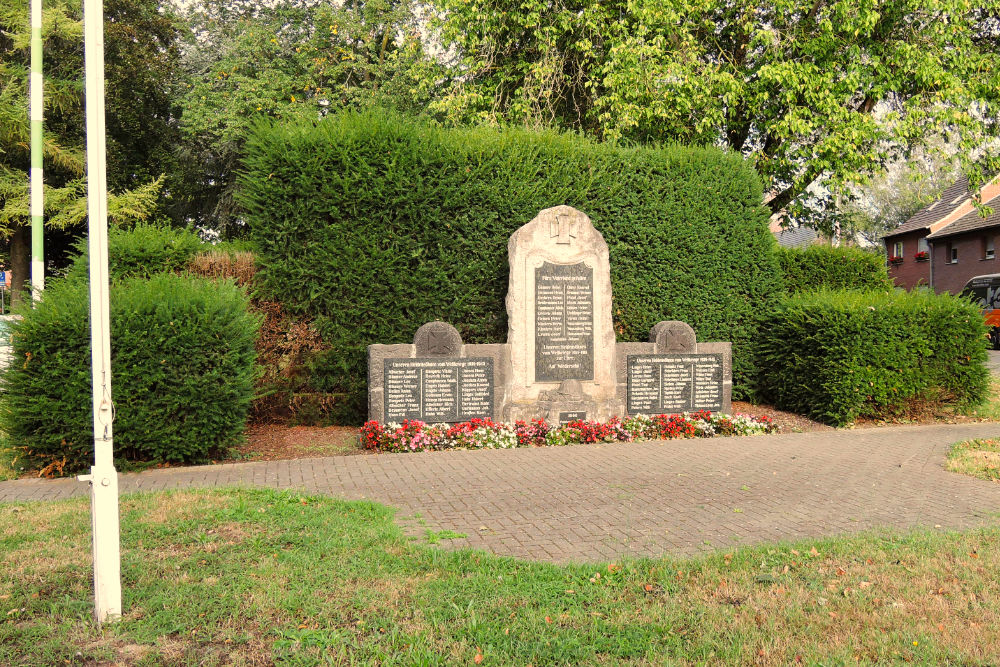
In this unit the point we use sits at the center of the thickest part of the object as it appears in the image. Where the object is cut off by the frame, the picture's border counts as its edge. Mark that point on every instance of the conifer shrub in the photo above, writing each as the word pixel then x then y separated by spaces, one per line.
pixel 372 225
pixel 142 251
pixel 836 356
pixel 822 266
pixel 183 371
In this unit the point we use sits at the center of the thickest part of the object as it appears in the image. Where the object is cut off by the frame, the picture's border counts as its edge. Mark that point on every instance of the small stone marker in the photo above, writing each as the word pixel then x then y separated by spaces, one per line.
pixel 437 339
pixel 568 417
pixel 673 336
pixel 673 373
pixel 436 379
pixel 559 319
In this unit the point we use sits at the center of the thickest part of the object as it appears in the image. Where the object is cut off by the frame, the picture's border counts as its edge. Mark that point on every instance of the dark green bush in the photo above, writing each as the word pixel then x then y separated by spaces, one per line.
pixel 142 251
pixel 836 356
pixel 373 226
pixel 819 266
pixel 183 369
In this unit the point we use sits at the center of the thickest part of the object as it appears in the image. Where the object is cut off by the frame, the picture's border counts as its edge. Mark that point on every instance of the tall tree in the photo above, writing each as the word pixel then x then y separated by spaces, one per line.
pixel 297 59
pixel 811 91
pixel 63 152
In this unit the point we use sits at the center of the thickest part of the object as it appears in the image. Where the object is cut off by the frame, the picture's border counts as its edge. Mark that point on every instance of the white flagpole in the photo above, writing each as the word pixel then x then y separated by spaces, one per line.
pixel 103 477
pixel 35 117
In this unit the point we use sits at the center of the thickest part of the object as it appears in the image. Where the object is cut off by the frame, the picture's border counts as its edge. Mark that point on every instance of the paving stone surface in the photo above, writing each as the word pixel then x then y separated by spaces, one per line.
pixel 604 502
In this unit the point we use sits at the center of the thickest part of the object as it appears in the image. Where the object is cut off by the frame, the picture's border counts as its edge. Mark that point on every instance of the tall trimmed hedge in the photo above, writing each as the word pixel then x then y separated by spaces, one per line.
pixel 839 355
pixel 822 266
pixel 374 225
pixel 183 370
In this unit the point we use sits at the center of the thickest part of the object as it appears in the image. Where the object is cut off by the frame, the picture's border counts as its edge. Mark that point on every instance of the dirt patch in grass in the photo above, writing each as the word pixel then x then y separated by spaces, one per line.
pixel 174 506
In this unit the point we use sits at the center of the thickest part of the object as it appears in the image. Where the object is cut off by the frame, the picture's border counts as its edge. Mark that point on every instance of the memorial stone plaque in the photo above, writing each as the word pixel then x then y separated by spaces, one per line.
pixel 567 417
pixel 438 390
pixel 673 383
pixel 564 322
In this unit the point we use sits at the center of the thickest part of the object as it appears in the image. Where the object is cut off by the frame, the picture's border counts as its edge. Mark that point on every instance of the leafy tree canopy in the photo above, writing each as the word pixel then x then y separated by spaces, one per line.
pixel 293 60
pixel 809 90
pixel 138 55
pixel 138 65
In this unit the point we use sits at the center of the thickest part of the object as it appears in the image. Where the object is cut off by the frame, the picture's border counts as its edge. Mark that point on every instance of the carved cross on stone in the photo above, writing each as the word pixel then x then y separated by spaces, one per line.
pixel 439 343
pixel 563 228
pixel 674 340
pixel 673 336
pixel 438 339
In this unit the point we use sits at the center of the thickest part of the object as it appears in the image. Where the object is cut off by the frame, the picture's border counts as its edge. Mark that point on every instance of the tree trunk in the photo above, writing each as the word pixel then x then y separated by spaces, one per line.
pixel 20 264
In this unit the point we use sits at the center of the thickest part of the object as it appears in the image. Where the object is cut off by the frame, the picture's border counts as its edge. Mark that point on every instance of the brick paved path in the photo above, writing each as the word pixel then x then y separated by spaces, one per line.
pixel 596 502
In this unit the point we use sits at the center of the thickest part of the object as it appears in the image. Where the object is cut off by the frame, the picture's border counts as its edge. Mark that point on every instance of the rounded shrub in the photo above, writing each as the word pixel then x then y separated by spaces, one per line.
pixel 822 266
pixel 372 225
pixel 839 355
pixel 183 370
pixel 142 251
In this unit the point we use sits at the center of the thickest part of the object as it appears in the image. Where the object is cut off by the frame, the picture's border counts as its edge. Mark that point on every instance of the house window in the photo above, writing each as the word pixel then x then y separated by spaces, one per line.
pixel 923 245
pixel 952 254
pixel 897 249
pixel 988 251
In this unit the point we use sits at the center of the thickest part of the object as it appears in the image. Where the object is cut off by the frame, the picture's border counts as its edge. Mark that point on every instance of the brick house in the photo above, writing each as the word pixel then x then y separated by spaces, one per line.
pixel 947 242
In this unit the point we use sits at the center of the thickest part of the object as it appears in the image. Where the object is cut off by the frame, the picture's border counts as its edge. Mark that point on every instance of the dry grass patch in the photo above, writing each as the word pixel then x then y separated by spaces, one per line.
pixel 977 458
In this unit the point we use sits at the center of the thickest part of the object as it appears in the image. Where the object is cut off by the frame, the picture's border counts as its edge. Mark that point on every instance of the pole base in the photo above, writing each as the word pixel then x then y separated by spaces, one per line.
pixel 107 543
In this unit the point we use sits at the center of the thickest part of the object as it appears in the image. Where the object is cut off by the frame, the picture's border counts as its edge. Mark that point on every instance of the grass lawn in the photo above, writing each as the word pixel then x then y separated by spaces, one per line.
pixel 261 577
pixel 976 458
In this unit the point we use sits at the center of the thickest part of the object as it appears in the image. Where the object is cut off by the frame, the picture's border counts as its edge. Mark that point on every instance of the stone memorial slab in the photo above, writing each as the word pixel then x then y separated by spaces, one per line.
pixel 437 378
pixel 438 390
pixel 673 383
pixel 641 379
pixel 564 322
pixel 559 319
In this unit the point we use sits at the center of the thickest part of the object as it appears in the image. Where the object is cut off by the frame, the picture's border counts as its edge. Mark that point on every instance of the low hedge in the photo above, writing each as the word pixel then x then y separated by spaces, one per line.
pixel 822 266
pixel 839 355
pixel 183 370
pixel 372 225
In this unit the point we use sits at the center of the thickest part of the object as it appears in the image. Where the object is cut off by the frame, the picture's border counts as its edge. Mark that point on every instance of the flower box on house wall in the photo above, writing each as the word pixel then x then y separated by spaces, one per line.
pixel 922 256
pixel 896 260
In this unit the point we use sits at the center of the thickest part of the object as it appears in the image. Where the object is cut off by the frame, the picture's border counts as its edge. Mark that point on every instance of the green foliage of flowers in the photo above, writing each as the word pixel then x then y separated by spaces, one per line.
pixel 415 436
pixel 183 365
pixel 839 355
pixel 373 225
pixel 819 266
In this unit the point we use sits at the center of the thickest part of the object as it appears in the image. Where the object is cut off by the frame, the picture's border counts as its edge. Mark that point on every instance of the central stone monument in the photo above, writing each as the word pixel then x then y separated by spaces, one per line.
pixel 560 333
pixel 560 362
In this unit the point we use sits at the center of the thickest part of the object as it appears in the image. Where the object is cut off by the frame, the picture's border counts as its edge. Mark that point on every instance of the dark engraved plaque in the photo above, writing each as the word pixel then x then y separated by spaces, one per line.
pixel 669 383
pixel 567 417
pixel 438 390
pixel 564 322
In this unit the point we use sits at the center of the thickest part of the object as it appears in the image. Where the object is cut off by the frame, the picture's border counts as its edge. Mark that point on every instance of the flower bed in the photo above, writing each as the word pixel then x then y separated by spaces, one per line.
pixel 414 435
